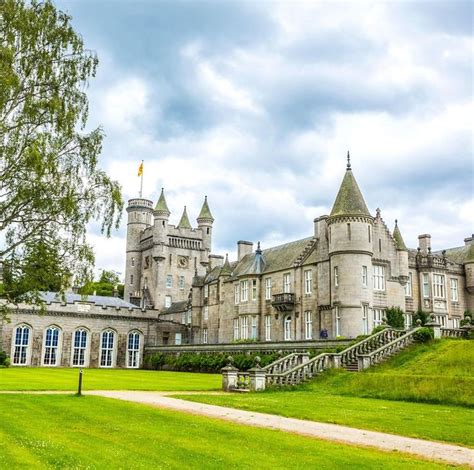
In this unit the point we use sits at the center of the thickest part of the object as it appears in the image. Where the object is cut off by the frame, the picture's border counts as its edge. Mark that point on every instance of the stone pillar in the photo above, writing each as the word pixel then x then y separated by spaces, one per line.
pixel 229 376
pixel 335 361
pixel 363 361
pixel 435 327
pixel 257 376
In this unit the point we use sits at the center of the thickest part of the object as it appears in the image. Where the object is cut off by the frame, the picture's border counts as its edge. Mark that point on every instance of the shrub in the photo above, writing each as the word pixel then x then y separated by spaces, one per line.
pixel 421 315
pixel 3 358
pixel 377 329
pixel 423 335
pixel 467 318
pixel 395 317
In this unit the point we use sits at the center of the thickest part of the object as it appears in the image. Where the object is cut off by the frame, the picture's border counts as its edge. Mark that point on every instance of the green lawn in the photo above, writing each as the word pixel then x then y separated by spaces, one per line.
pixel 46 431
pixel 384 398
pixel 16 378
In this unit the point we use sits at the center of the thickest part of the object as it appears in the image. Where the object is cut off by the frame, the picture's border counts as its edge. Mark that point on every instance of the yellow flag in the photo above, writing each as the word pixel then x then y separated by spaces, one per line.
pixel 140 169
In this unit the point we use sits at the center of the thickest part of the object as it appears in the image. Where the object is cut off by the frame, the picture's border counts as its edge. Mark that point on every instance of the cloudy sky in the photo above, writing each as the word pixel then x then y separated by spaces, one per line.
pixel 256 103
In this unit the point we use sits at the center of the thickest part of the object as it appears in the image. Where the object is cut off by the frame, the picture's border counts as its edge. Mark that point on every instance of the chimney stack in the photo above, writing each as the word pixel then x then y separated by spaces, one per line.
pixel 244 248
pixel 469 240
pixel 424 242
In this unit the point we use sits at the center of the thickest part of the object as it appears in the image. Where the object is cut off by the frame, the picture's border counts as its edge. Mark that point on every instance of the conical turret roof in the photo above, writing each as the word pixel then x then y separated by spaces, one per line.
pixel 184 222
pixel 161 205
pixel 205 213
pixel 349 200
pixel 226 269
pixel 397 236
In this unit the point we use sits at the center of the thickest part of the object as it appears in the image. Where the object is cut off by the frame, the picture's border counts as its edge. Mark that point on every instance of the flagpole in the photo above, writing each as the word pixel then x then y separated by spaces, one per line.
pixel 141 182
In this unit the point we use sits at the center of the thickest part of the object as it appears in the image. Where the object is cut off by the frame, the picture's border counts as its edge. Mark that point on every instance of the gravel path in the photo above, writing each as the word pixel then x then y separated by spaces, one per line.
pixel 333 432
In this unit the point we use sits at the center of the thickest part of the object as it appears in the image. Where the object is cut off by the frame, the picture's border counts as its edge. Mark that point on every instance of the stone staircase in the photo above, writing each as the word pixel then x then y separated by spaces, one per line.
pixel 296 368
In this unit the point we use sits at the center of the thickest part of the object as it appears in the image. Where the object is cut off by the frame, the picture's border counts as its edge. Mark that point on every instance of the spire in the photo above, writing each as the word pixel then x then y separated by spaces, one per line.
pixel 397 237
pixel 184 222
pixel 205 214
pixel 349 200
pixel 226 269
pixel 258 251
pixel 161 205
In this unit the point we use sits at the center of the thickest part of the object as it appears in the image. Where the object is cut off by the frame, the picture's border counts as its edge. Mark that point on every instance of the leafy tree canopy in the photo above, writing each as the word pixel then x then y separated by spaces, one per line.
pixel 395 317
pixel 107 285
pixel 50 184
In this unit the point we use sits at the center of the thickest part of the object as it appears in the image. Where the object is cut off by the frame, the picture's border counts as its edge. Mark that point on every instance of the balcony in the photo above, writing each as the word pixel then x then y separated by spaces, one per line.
pixel 283 302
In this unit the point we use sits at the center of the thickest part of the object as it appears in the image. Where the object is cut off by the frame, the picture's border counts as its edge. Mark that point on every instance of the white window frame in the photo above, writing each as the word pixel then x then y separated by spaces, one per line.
pixel 409 285
pixel 408 320
pixel 268 327
pixel 337 314
pixel 268 288
pixel 244 290
pixel 204 336
pixel 336 276
pixel 236 294
pixel 178 339
pixel 287 323
pixel 168 301
pixel 236 329
pixel 107 352
pixel 169 281
pixel 79 353
pixel 308 324
pixel 254 290
pixel 253 332
pixel 365 278
pixel 244 327
pixel 379 277
pixel 442 320
pixel 287 283
pixel 206 313
pixel 439 286
pixel 182 282
pixel 365 319
pixel 454 285
pixel 134 340
pixel 308 282
pixel 426 285
pixel 456 322
pixel 21 345
pixel 377 316
pixel 52 347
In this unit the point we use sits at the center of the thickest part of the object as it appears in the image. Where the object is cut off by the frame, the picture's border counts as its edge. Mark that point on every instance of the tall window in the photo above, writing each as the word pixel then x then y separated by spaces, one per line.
pixel 338 321
pixel 236 329
pixel 408 320
pixel 204 335
pixel 177 339
pixel 51 344
pixel 169 281
pixel 287 328
pixel 244 327
pixel 378 315
pixel 409 285
pixel 456 322
pixel 254 289
pixel 22 341
pixel 244 291
pixel 236 294
pixel 206 291
pixel 206 312
pixel 368 229
pixel 349 231
pixel 365 319
pixel 379 277
pixel 336 276
pixel 133 351
pixel 79 345
pixel 107 348
pixel 131 279
pixel 308 282
pixel 286 283
pixel 181 282
pixel 364 276
pixel 454 290
pixel 438 285
pixel 253 334
pixel 426 285
pixel 308 325
pixel 133 261
pixel 268 288
pixel 167 301
pixel 441 319
pixel 268 327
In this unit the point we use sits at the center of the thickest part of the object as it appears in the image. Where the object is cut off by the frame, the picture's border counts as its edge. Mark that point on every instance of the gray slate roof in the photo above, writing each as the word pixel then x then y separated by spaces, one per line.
pixel 70 298
pixel 176 307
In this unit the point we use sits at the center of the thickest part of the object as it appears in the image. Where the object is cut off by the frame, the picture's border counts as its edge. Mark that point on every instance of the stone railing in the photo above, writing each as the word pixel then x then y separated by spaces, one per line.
pixel 286 363
pixel 453 332
pixel 387 350
pixel 243 381
pixel 350 355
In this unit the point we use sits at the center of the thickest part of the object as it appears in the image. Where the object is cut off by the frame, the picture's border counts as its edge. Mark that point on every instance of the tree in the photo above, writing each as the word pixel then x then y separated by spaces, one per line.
pixel 107 285
pixel 395 317
pixel 50 184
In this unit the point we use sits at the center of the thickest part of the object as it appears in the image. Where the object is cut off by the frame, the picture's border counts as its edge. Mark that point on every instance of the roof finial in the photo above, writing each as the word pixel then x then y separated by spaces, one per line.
pixel 396 222
pixel 348 160
pixel 258 251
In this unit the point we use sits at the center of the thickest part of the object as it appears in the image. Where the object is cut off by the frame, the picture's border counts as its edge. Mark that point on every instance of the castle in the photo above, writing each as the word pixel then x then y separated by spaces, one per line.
pixel 337 282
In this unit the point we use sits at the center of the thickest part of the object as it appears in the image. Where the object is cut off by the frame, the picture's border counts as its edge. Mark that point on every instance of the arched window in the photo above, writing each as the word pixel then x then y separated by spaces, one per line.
pixel 79 347
pixel 133 349
pixel 107 348
pixel 51 345
pixel 22 341
pixel 287 328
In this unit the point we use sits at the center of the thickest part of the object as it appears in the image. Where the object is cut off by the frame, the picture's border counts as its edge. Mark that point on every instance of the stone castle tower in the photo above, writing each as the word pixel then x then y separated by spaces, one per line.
pixel 162 259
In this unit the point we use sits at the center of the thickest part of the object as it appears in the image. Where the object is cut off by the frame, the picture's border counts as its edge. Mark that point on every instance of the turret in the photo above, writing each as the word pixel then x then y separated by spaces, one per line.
pixel 161 216
pixel 350 251
pixel 205 221
pixel 402 255
pixel 184 221
pixel 140 212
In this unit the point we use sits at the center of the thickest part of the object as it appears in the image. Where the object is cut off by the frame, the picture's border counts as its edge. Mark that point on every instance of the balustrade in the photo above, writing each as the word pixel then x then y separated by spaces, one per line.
pixel 453 333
